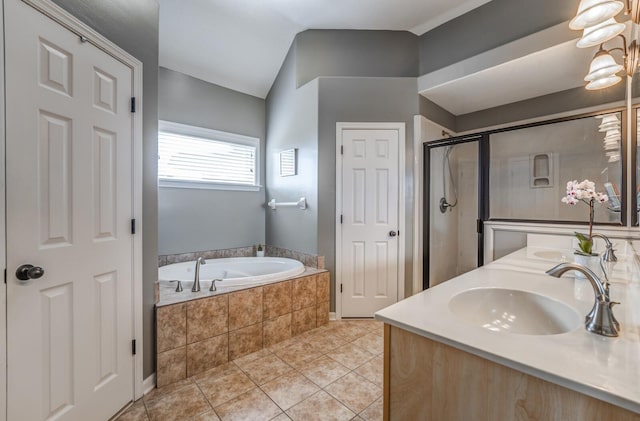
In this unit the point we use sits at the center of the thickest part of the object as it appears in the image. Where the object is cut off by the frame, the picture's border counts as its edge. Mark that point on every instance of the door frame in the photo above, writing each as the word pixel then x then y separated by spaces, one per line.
pixel 64 18
pixel 402 142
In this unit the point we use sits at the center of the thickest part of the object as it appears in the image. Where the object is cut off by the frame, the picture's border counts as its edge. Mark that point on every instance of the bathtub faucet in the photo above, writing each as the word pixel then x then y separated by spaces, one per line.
pixel 196 279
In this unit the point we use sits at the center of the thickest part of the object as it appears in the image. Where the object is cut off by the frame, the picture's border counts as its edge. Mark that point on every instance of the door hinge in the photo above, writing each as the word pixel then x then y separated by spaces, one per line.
pixel 133 347
pixel 479 226
pixel 5 275
pixel 133 104
pixel 341 219
pixel 341 150
pixel 133 226
pixel 340 288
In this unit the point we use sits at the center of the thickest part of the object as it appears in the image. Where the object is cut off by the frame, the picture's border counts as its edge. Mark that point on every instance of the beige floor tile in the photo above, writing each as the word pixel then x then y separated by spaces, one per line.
pixel 325 341
pixel 373 370
pixel 179 405
pixel 350 355
pixel 373 412
pixel 354 391
pixel 298 353
pixel 323 371
pixel 251 406
pixel 207 416
pixel 158 393
pixel 321 407
pixel 219 390
pixel 219 371
pixel 284 344
pixel 289 389
pixel 137 412
pixel 240 362
pixel 371 342
pixel 265 369
pixel 281 417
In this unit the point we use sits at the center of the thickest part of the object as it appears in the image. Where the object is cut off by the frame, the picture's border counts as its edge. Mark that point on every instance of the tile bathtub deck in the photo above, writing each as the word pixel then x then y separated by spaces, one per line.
pixel 333 372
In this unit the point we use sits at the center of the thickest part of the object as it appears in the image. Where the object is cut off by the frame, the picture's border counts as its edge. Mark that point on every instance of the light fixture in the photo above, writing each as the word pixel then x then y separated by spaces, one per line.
pixel 593 12
pixel 603 83
pixel 602 66
pixel 597 19
pixel 600 33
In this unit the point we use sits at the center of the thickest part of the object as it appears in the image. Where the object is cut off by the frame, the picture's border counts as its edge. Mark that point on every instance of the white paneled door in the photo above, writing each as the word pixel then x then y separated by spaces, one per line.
pixel 69 206
pixel 369 228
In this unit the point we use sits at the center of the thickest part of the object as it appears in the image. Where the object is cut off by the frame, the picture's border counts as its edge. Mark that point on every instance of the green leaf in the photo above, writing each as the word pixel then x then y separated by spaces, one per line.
pixel 585 243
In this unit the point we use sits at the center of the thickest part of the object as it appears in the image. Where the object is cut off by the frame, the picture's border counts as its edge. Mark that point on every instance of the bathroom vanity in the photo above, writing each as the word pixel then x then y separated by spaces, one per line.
pixel 507 342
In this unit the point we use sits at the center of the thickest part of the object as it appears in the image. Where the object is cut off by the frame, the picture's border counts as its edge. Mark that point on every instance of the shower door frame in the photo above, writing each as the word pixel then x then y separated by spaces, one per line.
pixel 483 187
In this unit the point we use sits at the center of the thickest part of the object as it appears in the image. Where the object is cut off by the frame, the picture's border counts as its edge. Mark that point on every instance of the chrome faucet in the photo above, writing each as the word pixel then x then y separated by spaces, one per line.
pixel 600 319
pixel 609 254
pixel 196 279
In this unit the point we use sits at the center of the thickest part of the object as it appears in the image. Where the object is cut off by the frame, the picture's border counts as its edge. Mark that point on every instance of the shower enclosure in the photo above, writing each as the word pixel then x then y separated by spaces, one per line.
pixel 518 175
pixel 451 202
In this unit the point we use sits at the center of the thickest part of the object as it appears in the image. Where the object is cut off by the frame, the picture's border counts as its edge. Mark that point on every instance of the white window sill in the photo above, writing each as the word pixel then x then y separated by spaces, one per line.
pixel 206 186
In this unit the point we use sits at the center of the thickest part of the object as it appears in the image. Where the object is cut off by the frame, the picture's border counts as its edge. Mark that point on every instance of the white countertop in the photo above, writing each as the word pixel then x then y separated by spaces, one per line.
pixel 601 367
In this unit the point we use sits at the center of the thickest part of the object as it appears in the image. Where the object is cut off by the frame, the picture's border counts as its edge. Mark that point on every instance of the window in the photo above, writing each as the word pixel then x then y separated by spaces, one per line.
pixel 195 157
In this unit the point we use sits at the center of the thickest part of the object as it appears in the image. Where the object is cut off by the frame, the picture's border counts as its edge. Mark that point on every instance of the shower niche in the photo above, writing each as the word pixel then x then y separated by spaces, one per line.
pixel 541 170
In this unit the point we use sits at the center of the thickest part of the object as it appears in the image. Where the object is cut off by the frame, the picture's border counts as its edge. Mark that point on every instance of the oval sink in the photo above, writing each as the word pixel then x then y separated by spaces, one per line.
pixel 513 311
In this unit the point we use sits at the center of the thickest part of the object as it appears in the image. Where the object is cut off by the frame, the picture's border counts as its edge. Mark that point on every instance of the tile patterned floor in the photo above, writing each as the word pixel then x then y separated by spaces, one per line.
pixel 330 373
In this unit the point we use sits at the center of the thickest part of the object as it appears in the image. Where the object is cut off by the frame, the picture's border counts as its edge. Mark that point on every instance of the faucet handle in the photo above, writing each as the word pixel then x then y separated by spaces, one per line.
pixel 213 284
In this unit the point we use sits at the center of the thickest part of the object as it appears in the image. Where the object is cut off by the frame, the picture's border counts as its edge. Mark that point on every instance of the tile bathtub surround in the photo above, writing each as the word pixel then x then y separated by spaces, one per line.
pixel 168 259
pixel 310 260
pixel 201 334
pixel 264 386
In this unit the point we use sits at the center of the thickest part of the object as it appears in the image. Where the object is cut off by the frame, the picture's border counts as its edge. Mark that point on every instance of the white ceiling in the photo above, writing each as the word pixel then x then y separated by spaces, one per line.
pixel 241 44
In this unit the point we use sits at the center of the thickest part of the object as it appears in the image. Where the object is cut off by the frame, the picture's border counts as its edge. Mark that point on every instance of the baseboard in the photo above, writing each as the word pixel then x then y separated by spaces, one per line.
pixel 332 315
pixel 149 384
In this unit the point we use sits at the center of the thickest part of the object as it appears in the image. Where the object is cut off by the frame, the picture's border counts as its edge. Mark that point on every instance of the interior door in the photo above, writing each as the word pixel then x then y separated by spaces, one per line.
pixel 69 205
pixel 370 210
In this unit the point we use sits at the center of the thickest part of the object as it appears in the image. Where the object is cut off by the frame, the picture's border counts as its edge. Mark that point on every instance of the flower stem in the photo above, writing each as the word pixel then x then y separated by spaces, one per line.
pixel 591 217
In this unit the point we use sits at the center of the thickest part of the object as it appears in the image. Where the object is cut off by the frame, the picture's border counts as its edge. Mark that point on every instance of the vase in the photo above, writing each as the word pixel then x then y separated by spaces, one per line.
pixel 591 262
pixel 260 253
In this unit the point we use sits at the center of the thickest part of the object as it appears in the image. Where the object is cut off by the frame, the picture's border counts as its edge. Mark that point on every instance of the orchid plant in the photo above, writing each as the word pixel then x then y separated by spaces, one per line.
pixel 585 192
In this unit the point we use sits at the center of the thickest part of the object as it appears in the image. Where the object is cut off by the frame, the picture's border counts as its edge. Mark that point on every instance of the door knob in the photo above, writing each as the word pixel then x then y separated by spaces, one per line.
pixel 26 272
pixel 392 233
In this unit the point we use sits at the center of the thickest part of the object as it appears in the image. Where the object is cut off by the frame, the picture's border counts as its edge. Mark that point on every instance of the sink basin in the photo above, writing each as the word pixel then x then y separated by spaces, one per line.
pixel 513 311
pixel 550 255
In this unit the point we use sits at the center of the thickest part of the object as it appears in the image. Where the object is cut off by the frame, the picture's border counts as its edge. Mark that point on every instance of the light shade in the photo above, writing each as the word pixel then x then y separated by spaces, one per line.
pixel 593 12
pixel 603 83
pixel 602 66
pixel 602 32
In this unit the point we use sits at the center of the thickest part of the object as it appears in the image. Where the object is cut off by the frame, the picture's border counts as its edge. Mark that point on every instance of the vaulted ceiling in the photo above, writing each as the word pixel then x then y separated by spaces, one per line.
pixel 241 44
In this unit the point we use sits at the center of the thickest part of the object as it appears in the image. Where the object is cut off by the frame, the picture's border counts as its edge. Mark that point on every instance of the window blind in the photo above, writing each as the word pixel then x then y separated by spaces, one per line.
pixel 196 159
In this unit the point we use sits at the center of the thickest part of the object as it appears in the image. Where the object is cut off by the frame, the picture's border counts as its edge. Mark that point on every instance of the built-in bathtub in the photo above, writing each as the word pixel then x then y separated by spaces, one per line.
pixel 260 302
pixel 234 272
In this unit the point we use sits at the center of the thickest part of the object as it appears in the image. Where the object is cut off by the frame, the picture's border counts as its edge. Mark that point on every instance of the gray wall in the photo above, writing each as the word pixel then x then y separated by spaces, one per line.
pixel 292 122
pixel 489 26
pixel 133 25
pixel 361 100
pixel 197 219
pixel 558 102
pixel 325 52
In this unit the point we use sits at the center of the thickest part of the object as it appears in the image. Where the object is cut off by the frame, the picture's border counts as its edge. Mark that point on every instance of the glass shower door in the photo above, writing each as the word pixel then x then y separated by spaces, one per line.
pixel 452 177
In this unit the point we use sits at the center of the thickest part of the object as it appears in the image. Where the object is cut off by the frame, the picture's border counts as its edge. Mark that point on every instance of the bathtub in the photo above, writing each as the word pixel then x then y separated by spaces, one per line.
pixel 235 272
